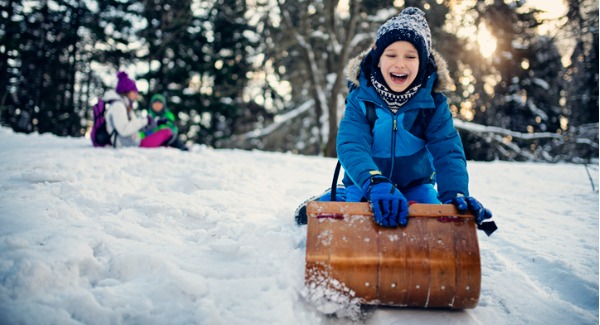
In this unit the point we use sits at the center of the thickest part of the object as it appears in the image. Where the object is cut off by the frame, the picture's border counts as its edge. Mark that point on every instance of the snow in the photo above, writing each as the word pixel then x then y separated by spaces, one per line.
pixel 160 236
pixel 541 83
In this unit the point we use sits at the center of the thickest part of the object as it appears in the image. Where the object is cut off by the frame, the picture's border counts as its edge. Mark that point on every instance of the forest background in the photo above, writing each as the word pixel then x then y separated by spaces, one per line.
pixel 269 74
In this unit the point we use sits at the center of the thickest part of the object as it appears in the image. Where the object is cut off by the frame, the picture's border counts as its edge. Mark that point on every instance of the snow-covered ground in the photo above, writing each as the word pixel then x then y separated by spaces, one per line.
pixel 160 236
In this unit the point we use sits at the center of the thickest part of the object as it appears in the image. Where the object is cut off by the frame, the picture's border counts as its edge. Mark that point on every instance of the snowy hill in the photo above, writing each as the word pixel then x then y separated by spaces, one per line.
pixel 134 236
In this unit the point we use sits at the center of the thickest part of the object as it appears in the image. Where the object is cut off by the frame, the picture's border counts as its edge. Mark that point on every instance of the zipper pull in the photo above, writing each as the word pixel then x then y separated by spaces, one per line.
pixel 395 126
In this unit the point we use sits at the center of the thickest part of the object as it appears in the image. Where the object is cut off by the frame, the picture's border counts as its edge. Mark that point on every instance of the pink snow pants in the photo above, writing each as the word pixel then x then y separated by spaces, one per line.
pixel 156 139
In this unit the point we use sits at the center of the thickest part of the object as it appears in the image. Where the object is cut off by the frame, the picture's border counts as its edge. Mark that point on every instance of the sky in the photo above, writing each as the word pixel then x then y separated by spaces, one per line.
pixel 160 236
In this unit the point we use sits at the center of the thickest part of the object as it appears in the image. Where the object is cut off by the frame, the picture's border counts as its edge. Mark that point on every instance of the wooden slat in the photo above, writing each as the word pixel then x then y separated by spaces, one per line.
pixel 354 255
pixel 468 270
pixel 442 269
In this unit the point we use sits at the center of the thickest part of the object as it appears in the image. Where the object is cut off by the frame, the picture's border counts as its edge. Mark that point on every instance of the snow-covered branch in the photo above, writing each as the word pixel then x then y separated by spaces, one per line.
pixel 481 129
pixel 280 120
pixel 578 143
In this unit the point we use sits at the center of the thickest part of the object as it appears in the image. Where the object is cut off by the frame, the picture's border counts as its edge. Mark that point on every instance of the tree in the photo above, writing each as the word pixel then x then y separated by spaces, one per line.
pixel 198 57
pixel 582 73
pixel 46 68
pixel 228 68
pixel 177 52
pixel 311 51
pixel 51 47
pixel 10 34
pixel 519 90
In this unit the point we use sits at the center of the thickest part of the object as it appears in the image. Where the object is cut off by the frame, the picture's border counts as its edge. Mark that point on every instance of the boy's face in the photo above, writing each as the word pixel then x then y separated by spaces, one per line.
pixel 157 106
pixel 399 65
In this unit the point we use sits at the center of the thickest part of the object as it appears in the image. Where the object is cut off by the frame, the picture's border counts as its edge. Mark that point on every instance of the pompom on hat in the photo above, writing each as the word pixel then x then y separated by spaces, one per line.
pixel 125 84
pixel 410 26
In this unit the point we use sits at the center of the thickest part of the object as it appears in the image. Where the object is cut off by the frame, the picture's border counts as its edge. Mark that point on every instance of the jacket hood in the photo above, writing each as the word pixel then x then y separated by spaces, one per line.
pixel 111 95
pixel 158 98
pixel 444 82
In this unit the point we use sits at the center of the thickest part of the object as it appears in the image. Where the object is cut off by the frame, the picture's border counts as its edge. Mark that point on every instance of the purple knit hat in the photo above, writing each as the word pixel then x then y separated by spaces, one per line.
pixel 125 85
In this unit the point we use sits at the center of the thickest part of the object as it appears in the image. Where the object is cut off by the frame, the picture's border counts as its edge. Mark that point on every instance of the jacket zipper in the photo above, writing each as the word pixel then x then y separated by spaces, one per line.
pixel 394 133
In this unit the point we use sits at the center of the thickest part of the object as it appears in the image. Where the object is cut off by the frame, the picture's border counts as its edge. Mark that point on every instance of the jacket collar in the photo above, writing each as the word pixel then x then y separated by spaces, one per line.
pixel 445 82
pixel 437 82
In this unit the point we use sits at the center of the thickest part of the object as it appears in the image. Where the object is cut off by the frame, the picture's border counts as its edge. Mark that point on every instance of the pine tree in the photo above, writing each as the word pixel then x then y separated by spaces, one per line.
pixel 582 74
pixel 46 56
pixel 528 76
pixel 10 15
pixel 198 57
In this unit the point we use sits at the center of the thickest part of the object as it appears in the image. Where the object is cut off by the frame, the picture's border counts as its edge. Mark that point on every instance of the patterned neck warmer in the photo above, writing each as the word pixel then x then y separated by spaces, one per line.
pixel 394 100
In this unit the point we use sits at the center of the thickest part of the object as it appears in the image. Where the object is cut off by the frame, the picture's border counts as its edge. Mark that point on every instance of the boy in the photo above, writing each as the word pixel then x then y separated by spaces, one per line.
pixel 412 143
pixel 165 119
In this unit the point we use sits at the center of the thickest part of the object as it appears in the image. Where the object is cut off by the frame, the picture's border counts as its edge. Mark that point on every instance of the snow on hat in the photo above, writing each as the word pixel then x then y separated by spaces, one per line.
pixel 125 84
pixel 410 26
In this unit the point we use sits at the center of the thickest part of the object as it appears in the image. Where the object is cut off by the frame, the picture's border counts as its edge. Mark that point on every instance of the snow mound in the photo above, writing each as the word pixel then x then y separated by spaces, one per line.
pixel 161 236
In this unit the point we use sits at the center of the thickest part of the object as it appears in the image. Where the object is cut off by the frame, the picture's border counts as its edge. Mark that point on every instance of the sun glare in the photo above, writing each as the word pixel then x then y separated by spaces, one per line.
pixel 551 9
pixel 487 42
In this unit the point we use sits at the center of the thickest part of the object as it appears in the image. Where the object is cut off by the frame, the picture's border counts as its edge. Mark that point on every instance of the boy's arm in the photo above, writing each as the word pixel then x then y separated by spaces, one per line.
pixel 354 141
pixel 445 145
pixel 170 121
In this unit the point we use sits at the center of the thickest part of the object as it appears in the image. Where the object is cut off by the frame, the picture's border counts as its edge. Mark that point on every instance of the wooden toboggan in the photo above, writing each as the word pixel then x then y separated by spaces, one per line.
pixel 433 262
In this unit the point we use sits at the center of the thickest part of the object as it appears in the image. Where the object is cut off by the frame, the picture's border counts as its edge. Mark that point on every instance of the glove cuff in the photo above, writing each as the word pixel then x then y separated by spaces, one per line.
pixel 452 199
pixel 374 180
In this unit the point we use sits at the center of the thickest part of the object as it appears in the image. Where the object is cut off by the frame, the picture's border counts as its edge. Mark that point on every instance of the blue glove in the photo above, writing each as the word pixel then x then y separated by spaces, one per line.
pixel 390 207
pixel 464 203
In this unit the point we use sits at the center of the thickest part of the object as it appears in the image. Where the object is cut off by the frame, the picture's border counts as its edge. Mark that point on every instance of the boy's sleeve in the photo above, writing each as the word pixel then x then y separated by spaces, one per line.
pixel 445 145
pixel 354 141
pixel 171 122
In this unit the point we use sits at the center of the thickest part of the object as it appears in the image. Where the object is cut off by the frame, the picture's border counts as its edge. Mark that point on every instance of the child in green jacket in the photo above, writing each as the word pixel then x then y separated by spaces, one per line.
pixel 164 118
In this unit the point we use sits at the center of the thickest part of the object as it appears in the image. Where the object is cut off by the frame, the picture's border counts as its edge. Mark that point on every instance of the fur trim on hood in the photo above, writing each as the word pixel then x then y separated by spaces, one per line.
pixel 444 81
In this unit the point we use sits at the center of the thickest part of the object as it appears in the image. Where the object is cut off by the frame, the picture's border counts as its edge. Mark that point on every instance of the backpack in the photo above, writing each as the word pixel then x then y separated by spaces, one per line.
pixel 100 136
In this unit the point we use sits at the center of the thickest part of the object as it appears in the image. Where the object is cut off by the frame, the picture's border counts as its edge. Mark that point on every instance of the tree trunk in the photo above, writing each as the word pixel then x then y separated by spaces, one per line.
pixel 340 77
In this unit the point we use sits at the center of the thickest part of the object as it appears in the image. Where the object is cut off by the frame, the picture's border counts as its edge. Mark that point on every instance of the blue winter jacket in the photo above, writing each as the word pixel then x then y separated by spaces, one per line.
pixel 416 145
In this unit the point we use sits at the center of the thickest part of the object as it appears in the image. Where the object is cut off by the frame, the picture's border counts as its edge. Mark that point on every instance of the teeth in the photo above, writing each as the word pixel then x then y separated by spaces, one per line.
pixel 399 75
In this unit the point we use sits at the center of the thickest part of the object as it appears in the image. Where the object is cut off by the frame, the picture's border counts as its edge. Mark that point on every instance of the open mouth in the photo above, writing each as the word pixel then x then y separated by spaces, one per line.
pixel 399 77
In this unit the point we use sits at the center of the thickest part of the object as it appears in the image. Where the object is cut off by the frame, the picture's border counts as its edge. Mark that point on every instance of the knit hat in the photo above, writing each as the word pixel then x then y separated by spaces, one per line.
pixel 410 25
pixel 125 85
pixel 158 98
